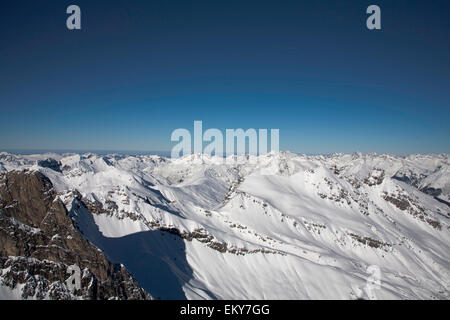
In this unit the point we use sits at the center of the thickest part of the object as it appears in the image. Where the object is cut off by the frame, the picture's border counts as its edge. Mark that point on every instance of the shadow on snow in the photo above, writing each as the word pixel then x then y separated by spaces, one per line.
pixel 156 259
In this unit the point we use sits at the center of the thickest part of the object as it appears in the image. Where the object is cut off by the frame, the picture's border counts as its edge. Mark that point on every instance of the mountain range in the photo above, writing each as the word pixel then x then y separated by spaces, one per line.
pixel 275 226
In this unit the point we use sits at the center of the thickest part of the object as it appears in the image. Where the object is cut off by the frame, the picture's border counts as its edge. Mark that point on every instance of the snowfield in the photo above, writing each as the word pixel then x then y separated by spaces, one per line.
pixel 277 226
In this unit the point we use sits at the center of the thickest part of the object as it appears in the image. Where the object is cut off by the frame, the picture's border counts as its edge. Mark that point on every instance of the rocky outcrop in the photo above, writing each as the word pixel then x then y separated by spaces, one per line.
pixel 409 177
pixel 51 164
pixel 40 247
pixel 374 243
pixel 407 204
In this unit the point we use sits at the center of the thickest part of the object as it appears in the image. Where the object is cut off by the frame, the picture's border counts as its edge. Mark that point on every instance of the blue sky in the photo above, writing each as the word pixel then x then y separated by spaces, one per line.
pixel 140 69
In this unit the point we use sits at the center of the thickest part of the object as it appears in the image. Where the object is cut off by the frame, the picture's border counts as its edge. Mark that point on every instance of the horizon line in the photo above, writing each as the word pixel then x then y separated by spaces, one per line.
pixel 168 153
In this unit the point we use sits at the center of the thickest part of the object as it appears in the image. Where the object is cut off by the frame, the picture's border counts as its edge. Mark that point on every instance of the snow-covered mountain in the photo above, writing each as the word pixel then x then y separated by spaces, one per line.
pixel 277 226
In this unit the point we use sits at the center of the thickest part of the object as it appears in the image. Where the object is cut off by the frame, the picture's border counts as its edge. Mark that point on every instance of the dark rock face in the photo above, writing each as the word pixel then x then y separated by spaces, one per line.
pixel 50 163
pixel 39 241
pixel 409 177
pixel 432 191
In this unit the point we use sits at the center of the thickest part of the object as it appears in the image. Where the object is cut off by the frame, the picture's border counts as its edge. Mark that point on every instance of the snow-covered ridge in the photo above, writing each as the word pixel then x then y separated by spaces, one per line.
pixel 275 226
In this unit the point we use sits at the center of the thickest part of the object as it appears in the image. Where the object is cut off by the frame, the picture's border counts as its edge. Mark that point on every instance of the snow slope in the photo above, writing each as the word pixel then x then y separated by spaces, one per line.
pixel 279 226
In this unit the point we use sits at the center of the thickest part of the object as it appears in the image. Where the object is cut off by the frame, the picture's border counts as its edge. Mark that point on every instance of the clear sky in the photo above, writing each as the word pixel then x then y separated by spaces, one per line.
pixel 140 69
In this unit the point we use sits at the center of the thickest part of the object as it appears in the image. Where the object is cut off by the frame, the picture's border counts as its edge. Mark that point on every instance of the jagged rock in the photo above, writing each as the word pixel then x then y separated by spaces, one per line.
pixel 39 241
pixel 51 164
